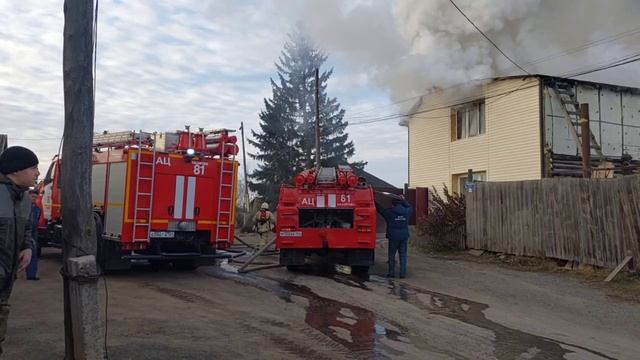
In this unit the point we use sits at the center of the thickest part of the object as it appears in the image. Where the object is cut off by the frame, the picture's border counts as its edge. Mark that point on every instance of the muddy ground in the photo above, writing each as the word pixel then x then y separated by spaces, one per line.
pixel 444 309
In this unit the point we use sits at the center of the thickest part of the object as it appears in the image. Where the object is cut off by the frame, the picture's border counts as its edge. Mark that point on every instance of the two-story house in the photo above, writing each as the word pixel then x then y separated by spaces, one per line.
pixel 518 128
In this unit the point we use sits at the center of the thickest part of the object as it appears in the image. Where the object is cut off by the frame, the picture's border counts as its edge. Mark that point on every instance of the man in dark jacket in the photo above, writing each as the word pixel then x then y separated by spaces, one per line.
pixel 18 171
pixel 397 218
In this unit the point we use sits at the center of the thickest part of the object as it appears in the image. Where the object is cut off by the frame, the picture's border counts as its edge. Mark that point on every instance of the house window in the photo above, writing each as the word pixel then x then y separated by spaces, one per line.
pixel 469 121
pixel 460 179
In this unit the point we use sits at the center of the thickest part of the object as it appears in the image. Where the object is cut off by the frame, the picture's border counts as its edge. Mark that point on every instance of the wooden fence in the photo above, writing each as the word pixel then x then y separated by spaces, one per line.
pixel 592 221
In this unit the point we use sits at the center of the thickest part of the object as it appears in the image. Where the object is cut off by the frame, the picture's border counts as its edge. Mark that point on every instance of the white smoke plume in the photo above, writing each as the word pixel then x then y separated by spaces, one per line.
pixel 410 46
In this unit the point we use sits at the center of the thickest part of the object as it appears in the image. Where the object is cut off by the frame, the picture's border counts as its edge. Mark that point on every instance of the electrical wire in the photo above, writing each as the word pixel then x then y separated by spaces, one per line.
pixel 600 67
pixel 456 102
pixel 95 76
pixel 585 46
pixel 488 39
pixel 570 51
pixel 34 139
pixel 428 92
pixel 611 64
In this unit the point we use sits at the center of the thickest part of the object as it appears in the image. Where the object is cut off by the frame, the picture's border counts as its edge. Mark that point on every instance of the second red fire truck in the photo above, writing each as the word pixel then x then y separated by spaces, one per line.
pixel 161 197
pixel 330 212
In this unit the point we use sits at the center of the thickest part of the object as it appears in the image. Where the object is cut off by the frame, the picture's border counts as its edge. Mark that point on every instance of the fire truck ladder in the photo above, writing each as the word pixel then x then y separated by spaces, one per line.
pixel 571 109
pixel 222 199
pixel 145 221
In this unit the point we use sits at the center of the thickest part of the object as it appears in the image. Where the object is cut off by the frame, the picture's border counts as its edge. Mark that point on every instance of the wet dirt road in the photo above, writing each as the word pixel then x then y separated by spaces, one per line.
pixel 443 310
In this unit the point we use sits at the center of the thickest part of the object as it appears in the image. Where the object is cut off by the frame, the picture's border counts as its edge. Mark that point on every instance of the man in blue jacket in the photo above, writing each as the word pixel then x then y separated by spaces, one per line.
pixel 397 218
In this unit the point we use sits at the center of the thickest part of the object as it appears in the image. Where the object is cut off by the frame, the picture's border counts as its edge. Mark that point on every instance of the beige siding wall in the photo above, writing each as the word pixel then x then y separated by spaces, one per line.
pixel 470 153
pixel 509 150
pixel 513 126
pixel 429 141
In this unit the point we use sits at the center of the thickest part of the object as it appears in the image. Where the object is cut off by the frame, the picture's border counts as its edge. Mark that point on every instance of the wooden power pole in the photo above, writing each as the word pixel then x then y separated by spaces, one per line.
pixel 317 118
pixel 83 329
pixel 246 179
pixel 585 140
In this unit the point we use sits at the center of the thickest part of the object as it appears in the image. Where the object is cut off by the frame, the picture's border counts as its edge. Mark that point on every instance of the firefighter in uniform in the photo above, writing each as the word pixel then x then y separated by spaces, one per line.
pixel 18 171
pixel 264 223
pixel 397 218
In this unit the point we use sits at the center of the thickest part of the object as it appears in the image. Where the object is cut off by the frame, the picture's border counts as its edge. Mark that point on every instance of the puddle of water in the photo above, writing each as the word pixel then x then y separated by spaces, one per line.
pixel 328 271
pixel 508 344
pixel 356 328
pixel 361 331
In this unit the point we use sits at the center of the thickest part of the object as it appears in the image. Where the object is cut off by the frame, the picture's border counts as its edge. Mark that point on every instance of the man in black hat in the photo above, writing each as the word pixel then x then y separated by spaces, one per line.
pixel 18 171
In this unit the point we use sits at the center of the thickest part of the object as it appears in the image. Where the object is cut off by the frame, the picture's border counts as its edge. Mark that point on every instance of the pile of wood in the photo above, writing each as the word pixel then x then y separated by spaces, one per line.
pixel 571 166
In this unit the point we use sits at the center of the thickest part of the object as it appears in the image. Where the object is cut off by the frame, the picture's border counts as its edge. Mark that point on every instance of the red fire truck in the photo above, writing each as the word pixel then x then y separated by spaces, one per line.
pixel 330 212
pixel 161 197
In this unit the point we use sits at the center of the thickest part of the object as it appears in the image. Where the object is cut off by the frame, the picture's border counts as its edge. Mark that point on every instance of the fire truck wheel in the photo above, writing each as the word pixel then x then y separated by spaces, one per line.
pixel 157 264
pixel 188 265
pixel 360 270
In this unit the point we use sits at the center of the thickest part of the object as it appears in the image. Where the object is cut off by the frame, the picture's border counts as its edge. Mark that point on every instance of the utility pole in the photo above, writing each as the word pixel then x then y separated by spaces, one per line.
pixel 317 118
pixel 585 135
pixel 246 182
pixel 3 142
pixel 83 329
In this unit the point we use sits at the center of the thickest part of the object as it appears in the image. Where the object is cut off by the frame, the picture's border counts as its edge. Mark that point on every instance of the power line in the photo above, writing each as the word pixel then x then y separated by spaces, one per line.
pixel 573 50
pixel 584 46
pixel 624 61
pixel 456 102
pixel 34 139
pixel 428 92
pixel 608 67
pixel 603 66
pixel 488 39
pixel 599 64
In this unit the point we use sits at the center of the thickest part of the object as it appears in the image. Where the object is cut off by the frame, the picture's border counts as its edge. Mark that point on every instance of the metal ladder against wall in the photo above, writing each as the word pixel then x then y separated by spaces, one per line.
pixel 145 221
pixel 223 231
pixel 571 108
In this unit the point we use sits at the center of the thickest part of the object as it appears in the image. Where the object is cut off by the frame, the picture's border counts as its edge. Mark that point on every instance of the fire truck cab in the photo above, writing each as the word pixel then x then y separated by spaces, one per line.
pixel 329 212
pixel 161 197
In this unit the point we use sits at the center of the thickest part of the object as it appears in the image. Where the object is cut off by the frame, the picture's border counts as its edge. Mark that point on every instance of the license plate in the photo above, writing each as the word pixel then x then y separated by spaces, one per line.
pixel 162 234
pixel 291 233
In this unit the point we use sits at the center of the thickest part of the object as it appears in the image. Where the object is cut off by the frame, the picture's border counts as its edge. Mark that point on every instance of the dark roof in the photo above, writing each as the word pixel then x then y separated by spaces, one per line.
pixel 574 80
pixel 375 181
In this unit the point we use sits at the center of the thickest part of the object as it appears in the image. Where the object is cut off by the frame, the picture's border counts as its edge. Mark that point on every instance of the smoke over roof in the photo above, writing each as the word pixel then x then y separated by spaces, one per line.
pixel 409 46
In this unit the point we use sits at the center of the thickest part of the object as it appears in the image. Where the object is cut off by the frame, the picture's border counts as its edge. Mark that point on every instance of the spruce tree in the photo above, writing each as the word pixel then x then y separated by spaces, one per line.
pixel 286 142
pixel 278 152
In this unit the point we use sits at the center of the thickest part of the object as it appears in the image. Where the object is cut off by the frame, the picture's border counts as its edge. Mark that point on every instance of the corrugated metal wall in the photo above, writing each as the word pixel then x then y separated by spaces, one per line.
pixel 614 120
